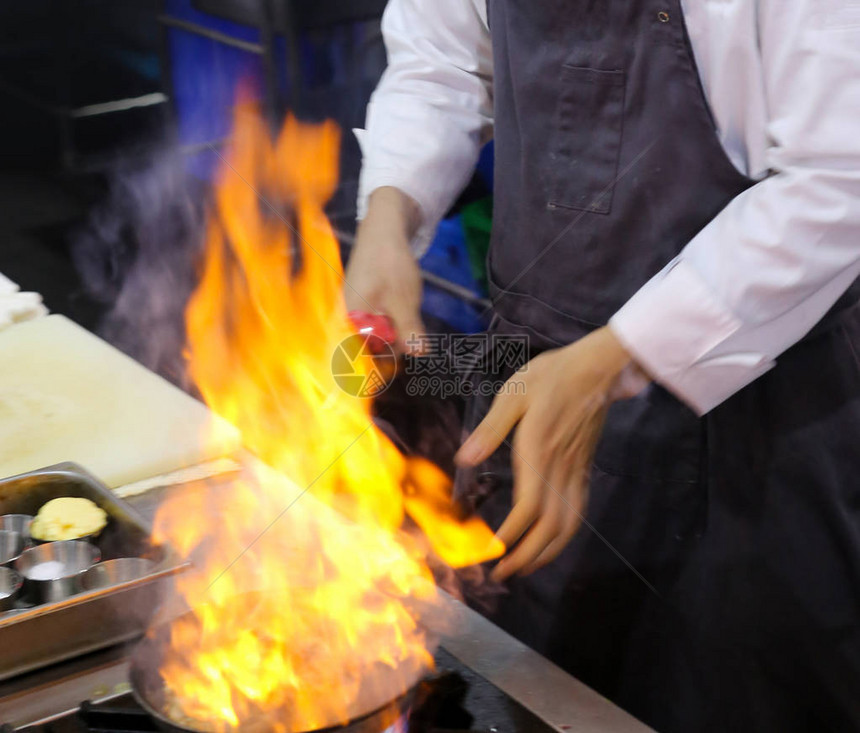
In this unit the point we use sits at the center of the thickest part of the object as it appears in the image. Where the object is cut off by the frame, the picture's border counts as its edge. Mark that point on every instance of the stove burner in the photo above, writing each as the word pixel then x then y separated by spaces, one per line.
pixel 439 708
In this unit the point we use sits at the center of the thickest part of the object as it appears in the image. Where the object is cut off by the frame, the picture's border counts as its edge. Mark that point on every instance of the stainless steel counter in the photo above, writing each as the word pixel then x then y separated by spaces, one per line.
pixel 542 688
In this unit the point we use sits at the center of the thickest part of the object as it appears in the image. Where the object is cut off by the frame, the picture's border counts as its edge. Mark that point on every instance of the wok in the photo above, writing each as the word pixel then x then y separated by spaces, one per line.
pixel 149 692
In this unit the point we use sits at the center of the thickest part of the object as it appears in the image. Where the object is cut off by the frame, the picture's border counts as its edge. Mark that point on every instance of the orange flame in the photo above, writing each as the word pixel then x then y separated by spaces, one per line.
pixel 305 608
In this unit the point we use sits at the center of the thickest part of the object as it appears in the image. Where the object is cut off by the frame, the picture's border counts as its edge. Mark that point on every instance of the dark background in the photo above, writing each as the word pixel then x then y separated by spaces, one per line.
pixel 67 168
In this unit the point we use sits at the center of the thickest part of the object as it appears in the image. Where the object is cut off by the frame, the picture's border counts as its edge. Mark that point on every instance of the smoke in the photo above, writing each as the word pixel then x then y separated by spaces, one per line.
pixel 138 254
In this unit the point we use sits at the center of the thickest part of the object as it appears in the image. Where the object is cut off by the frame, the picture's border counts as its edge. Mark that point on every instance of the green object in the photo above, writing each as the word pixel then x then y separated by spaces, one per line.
pixel 477 218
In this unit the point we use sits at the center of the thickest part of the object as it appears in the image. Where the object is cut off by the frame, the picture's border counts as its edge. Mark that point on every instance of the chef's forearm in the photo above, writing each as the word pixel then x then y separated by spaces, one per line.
pixel 432 109
pixel 395 210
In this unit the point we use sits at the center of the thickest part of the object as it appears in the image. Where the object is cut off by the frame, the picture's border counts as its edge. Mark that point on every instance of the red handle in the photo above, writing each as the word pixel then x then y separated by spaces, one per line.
pixel 379 326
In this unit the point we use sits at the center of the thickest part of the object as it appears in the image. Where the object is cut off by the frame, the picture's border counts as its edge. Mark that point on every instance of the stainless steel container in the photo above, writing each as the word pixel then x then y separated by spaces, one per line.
pixel 114 572
pixel 12 544
pixel 41 635
pixel 10 588
pixel 17 523
pixel 52 572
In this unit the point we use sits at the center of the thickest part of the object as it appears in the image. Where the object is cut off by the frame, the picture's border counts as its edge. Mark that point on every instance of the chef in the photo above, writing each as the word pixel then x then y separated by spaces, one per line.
pixel 677 233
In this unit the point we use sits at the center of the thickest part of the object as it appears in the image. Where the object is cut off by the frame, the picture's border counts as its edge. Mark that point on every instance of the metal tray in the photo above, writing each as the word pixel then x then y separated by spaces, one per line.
pixel 41 635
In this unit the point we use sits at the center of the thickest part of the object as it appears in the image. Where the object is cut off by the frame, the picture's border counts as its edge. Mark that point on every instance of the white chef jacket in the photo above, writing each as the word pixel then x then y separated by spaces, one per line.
pixel 783 80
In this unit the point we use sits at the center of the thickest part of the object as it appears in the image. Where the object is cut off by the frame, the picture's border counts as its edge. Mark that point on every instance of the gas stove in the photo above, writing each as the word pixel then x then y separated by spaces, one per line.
pixel 454 700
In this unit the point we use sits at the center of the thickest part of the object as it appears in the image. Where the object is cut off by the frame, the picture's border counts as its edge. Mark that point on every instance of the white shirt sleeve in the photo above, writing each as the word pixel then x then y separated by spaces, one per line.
pixel 432 110
pixel 757 278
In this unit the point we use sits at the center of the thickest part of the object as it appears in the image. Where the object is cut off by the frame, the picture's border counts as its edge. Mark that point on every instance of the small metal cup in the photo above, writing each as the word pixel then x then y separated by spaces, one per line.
pixel 73 557
pixel 16 523
pixel 113 572
pixel 12 544
pixel 10 588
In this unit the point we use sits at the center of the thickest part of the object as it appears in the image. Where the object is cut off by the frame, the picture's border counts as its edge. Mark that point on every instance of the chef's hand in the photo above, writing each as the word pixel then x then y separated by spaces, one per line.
pixel 382 275
pixel 559 418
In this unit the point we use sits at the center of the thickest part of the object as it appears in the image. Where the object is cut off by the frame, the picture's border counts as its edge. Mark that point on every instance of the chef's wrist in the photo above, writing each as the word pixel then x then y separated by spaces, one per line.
pixel 391 208
pixel 631 379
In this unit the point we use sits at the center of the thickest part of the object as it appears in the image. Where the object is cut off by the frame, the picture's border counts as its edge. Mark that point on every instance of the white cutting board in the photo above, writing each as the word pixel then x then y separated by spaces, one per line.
pixel 66 395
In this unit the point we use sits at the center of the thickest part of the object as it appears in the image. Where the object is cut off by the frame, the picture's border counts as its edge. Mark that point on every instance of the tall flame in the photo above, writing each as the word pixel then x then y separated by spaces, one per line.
pixel 307 594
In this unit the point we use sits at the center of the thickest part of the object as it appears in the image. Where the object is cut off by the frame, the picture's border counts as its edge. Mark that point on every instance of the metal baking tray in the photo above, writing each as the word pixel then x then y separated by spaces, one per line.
pixel 41 635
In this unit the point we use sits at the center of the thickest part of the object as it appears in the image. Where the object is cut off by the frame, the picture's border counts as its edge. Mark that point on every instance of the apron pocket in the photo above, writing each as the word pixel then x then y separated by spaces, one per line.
pixel 584 165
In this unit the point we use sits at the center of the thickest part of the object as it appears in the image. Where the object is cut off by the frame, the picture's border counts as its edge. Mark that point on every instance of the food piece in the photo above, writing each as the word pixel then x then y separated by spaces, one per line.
pixel 67 518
